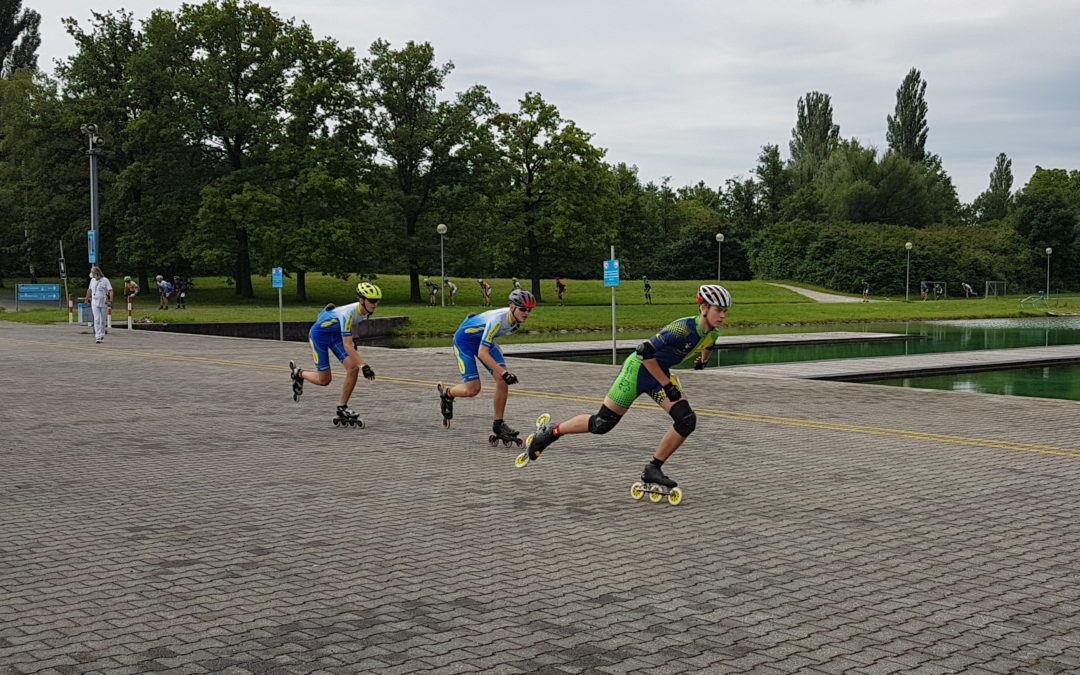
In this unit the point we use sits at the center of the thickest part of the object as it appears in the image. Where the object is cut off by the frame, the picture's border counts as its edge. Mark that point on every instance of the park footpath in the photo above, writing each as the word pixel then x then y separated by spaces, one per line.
pixel 165 506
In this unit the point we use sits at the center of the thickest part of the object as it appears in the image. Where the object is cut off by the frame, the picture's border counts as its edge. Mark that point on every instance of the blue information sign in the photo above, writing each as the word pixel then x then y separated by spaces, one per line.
pixel 277 278
pixel 91 245
pixel 38 291
pixel 611 273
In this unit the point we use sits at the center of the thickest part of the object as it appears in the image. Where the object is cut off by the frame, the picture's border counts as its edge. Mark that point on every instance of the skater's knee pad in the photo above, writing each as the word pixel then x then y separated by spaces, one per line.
pixel 603 421
pixel 685 420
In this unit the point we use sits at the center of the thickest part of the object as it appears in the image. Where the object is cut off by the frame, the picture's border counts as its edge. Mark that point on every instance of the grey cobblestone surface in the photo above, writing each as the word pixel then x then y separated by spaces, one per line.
pixel 164 505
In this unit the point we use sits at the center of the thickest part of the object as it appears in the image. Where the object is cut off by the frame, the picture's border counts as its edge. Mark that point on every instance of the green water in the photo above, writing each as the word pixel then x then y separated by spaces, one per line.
pixel 932 337
pixel 1046 382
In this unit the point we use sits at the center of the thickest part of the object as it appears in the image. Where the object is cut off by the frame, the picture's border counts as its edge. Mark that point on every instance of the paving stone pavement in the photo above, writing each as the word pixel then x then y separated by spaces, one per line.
pixel 165 506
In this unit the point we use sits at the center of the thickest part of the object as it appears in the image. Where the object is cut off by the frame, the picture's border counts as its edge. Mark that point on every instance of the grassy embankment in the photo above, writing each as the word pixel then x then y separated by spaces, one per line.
pixel 759 307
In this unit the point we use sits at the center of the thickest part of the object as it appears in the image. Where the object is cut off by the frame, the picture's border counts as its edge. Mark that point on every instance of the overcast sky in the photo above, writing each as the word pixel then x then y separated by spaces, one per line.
pixel 692 89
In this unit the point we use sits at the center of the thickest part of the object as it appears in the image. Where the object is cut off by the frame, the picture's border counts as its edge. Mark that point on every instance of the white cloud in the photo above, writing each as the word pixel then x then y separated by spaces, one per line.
pixel 692 89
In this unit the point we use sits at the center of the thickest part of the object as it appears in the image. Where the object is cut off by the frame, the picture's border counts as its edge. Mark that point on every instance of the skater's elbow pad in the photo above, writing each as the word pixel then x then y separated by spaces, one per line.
pixel 646 350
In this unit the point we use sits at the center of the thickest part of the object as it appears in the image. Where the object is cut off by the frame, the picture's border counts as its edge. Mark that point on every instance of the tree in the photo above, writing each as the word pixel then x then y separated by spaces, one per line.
pixel 907 130
pixel 19 37
pixel 814 136
pixel 774 182
pixel 554 178
pixel 428 144
pixel 997 200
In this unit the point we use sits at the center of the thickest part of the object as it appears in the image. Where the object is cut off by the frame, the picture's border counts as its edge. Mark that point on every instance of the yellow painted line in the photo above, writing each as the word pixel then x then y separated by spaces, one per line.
pixel 704 412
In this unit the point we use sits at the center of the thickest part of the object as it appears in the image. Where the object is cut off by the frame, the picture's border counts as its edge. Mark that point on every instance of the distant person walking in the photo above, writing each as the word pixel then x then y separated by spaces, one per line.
pixel 432 289
pixel 100 296
pixel 485 293
pixel 164 291
pixel 648 290
pixel 561 288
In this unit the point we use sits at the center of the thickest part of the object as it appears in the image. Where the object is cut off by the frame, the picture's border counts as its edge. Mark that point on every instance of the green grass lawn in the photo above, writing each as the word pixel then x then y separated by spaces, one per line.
pixel 585 315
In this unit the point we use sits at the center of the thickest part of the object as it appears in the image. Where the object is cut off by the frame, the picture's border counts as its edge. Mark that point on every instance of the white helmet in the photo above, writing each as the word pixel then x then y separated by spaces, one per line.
pixel 715 295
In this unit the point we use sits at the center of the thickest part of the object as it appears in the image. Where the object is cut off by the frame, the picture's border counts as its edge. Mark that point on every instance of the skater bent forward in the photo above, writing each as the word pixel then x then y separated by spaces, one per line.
pixel 333 332
pixel 475 339
pixel 648 371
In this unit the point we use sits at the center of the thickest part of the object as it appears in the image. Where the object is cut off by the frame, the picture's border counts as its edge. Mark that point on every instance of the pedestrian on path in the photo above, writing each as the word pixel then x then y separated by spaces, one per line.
pixel 333 332
pixel 100 296
pixel 648 371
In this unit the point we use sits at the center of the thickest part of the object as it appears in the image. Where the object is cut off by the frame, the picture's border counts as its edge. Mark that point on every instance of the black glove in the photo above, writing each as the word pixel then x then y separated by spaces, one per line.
pixel 369 374
pixel 509 378
pixel 699 365
pixel 673 393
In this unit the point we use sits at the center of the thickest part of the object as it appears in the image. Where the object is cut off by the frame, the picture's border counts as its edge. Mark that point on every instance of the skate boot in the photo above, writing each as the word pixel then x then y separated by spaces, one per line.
pixel 501 432
pixel 536 442
pixel 297 381
pixel 655 484
pixel 446 405
pixel 347 417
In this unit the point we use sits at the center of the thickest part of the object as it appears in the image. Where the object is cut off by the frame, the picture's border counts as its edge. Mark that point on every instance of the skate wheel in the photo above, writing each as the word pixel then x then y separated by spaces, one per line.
pixel 637 490
pixel 518 442
pixel 542 420
pixel 675 496
pixel 336 421
pixel 493 441
pixel 446 424
pixel 507 443
pixel 295 398
pixel 521 460
pixel 654 494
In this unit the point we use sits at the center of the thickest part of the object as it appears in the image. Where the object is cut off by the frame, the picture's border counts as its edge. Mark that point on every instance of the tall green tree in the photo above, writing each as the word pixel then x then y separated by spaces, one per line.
pixel 994 203
pixel 814 136
pixel 555 179
pixel 429 144
pixel 775 182
pixel 19 37
pixel 907 127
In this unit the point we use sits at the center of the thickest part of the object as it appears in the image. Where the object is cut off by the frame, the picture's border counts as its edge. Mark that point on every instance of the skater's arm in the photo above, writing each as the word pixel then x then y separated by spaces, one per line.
pixel 350 349
pixel 484 353
pixel 656 371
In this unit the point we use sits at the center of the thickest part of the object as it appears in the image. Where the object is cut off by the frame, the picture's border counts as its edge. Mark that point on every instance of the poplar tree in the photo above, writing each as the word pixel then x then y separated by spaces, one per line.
pixel 907 129
pixel 814 137
pixel 995 202
pixel 19 37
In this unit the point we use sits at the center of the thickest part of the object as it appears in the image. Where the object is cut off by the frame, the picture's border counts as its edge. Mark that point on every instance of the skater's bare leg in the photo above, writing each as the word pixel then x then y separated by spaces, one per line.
pixel 317 377
pixel 579 424
pixel 352 373
pixel 502 390
pixel 465 389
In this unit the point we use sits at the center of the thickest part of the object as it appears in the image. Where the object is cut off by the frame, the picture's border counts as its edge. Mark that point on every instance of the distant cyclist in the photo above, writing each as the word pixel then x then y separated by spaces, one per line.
pixel 648 371
pixel 475 341
pixel 333 331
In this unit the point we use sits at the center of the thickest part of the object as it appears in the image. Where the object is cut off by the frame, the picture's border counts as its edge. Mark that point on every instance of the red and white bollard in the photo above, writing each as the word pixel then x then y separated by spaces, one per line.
pixel 71 309
pixel 129 313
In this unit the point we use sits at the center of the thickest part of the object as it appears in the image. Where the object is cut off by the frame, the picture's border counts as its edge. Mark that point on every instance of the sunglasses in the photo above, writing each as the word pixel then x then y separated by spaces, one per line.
pixel 524 309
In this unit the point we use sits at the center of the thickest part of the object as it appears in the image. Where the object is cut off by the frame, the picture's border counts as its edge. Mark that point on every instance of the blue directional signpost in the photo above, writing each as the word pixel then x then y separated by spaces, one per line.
pixel 277 280
pixel 91 246
pixel 36 293
pixel 611 278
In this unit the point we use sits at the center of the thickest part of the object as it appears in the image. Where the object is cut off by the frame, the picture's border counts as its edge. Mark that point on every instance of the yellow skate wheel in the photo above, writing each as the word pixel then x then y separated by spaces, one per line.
pixel 655 495
pixel 675 496
pixel 637 490
pixel 521 460
pixel 543 419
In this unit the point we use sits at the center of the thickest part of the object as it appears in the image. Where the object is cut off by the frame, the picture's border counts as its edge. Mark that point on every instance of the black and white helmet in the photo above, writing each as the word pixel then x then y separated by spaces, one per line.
pixel 715 295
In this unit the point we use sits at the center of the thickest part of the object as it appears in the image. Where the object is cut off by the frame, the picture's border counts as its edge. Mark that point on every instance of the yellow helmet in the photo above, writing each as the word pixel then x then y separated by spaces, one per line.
pixel 368 290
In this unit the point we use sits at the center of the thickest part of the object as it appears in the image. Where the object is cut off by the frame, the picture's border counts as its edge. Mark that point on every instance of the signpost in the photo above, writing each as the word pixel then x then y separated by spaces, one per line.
pixel 611 278
pixel 277 279
pixel 91 246
pixel 36 293
pixel 63 277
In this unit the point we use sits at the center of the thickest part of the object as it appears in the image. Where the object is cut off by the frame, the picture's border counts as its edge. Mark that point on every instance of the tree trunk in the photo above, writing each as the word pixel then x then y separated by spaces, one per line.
pixel 301 286
pixel 534 261
pixel 144 278
pixel 414 264
pixel 243 265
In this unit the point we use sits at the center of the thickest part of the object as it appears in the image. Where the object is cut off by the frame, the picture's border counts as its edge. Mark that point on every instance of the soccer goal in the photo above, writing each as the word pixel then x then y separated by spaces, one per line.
pixel 934 290
pixel 995 289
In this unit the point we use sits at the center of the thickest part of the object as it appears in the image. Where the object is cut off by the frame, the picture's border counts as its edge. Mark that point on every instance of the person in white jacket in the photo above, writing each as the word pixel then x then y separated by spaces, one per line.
pixel 100 295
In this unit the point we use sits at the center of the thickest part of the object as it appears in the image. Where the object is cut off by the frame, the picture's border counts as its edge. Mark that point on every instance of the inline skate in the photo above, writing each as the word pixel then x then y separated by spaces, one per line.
pixel 347 417
pixel 655 484
pixel 446 405
pixel 501 432
pixel 297 381
pixel 536 442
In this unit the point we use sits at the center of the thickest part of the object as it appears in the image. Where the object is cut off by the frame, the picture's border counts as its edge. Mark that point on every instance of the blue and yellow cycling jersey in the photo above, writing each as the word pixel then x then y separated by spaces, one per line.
pixel 680 340
pixel 337 320
pixel 482 329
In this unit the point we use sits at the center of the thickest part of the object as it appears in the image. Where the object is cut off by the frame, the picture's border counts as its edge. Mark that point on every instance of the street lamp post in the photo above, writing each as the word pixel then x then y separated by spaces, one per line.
pixel 441 229
pixel 94 141
pixel 907 281
pixel 1048 252
pixel 719 246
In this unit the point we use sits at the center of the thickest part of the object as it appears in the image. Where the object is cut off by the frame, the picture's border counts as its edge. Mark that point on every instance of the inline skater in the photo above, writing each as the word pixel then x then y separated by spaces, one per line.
pixel 475 339
pixel 333 332
pixel 485 293
pixel 451 288
pixel 561 288
pixel 131 288
pixel 432 289
pixel 648 371
pixel 648 290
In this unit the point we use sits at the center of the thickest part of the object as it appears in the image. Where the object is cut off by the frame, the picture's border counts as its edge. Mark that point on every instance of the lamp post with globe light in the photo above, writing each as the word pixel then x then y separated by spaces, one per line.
pixel 1048 252
pixel 719 246
pixel 441 229
pixel 907 281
